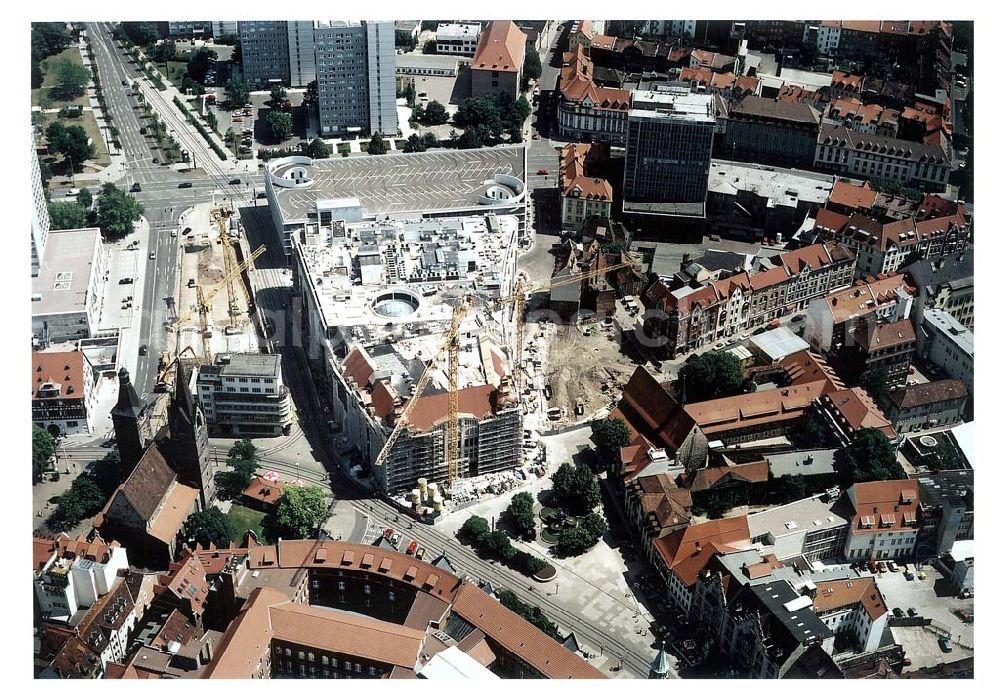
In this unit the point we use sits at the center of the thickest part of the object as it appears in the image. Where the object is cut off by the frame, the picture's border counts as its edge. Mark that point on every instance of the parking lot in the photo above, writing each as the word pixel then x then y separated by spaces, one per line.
pixel 932 598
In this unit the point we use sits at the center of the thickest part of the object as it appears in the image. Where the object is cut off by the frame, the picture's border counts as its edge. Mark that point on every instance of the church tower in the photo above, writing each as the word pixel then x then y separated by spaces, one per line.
pixel 189 449
pixel 660 668
pixel 130 417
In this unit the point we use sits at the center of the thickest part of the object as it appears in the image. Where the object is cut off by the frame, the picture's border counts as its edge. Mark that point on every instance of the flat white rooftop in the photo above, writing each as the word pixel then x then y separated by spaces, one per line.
pixel 62 282
pixel 674 104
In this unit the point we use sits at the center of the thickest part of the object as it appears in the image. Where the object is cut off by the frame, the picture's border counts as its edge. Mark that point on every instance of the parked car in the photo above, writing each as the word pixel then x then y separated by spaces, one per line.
pixel 420 554
pixel 912 612
pixel 135 188
pixel 191 283
pixel 891 565
pixel 143 350
pixel 411 548
pixel 945 644
pixel 142 131
pixel 235 181
pixel 125 280
pixel 152 256
pixel 185 184
pixel 897 612
pixel 543 172
pixel 389 531
pixel 155 160
pixel 173 233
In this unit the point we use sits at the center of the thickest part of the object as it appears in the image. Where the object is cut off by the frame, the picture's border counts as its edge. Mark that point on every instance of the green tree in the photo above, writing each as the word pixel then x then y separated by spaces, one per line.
pixel 85 198
pixel 212 120
pixel 812 432
pixel 70 142
pixel 141 33
pixel 82 500
pixel 873 380
pixel 209 527
pixel 576 489
pixel 70 80
pixel 869 457
pixel 280 124
pixel 470 139
pixel 520 513
pixel 788 488
pixel 117 211
pixel 573 541
pixel 429 139
pixel 202 60
pixel 312 92
pixel 532 64
pixel 237 92
pixel 473 529
pixel 496 544
pixel 48 38
pixel 37 77
pixel 163 51
pixel 944 458
pixel 67 215
pixel 595 526
pixel 531 614
pixel 108 473
pixel 244 459
pixel 410 94
pixel 237 57
pixel 43 446
pixel 414 144
pixel 611 435
pixel 377 144
pixel 278 94
pixel 435 114
pixel 711 376
pixel 318 149
pixel 299 511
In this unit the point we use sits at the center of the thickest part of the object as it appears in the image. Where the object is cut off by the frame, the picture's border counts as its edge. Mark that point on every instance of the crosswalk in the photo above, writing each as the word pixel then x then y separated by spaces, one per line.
pixel 80 441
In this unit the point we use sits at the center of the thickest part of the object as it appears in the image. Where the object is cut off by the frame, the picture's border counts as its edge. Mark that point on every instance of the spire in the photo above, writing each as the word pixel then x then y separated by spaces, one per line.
pixel 660 667
pixel 129 405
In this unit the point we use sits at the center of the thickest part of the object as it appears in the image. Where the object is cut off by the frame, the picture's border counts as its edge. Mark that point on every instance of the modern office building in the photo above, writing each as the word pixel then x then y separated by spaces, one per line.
pixel 67 295
pixel 945 341
pixel 458 39
pixel 243 395
pixel 190 30
pixel 356 71
pixel 224 29
pixel 301 53
pixel 668 152
pixel 39 215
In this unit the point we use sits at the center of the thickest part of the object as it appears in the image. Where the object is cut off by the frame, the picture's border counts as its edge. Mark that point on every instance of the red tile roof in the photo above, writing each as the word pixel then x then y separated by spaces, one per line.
pixel 884 505
pixel 833 595
pixel 265 490
pixel 501 47
pixel 718 417
pixel 709 477
pixel 855 409
pixel 650 411
pixel 59 373
pixel 576 84
pixel 358 367
pixel 572 179
pixel 687 552
pixel 860 197
pixel 865 297
pixel 928 393
pixel 432 410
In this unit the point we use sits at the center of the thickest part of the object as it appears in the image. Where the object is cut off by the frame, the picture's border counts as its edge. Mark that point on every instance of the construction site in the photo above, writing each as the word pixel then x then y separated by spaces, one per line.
pixel 422 333
pixel 213 311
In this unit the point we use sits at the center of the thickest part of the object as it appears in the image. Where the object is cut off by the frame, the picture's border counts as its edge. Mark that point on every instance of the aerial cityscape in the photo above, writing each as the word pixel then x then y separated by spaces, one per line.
pixel 502 349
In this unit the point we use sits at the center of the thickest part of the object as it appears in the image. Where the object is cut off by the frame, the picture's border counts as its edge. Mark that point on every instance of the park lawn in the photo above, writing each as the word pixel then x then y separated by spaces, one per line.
pixel 72 53
pixel 89 123
pixel 243 519
pixel 174 71
pixel 344 148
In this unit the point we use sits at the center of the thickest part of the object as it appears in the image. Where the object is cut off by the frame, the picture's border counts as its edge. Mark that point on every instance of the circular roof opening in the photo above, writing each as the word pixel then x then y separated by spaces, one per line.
pixel 928 441
pixel 396 304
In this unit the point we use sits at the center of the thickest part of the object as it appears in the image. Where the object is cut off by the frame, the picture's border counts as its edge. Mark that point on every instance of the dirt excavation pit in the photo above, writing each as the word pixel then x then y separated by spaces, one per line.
pixel 586 370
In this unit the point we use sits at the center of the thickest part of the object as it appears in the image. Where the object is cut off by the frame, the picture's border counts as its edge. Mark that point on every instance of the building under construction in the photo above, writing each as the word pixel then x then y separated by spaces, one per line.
pixel 378 297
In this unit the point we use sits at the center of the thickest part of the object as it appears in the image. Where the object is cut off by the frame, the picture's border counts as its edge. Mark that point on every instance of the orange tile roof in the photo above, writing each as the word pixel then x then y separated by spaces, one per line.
pixel 853 196
pixel 688 551
pixel 833 595
pixel 265 490
pixel 707 478
pixel 604 42
pixel 351 634
pixel 358 366
pixel 865 297
pixel 572 161
pixel 41 552
pixel 432 410
pixel 519 637
pixel 64 369
pixel 383 399
pixel 857 410
pixel 873 499
pixel 186 579
pixel 501 47
pixel 806 367
pixel 747 84
pixel 885 335
pixel 576 84
pixel 176 507
pixel 846 81
pixel 650 411
pixel 720 416
pixel 247 638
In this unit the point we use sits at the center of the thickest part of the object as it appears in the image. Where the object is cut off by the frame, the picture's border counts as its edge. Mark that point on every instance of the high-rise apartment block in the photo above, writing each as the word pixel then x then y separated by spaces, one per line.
pixel 668 152
pixel 39 215
pixel 265 51
pixel 356 71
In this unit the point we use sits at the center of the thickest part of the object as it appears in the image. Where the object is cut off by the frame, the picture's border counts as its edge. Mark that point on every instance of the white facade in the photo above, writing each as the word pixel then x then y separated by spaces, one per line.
pixel 65 585
pixel 949 344
pixel 827 39
pixel 224 29
pixel 853 618
pixel 39 214
pixel 243 394
pixel 458 39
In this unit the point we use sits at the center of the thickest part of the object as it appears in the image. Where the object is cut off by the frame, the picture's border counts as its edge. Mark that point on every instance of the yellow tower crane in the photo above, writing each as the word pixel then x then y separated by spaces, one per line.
pixel 204 300
pixel 450 347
